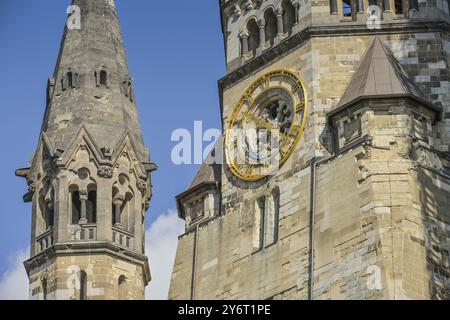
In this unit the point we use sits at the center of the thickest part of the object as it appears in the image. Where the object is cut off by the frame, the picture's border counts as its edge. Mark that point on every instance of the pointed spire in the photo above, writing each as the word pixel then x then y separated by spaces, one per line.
pixel 380 75
pixel 91 85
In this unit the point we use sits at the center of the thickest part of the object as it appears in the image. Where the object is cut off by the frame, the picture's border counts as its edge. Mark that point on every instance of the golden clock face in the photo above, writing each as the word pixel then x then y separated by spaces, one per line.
pixel 266 125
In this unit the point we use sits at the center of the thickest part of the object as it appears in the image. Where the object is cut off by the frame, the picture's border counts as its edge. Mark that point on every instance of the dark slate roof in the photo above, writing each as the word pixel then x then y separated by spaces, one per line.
pixel 380 75
pixel 208 172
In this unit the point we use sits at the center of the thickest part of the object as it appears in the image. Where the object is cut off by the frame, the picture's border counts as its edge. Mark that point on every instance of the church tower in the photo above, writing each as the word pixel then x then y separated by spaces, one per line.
pixel 88 180
pixel 355 205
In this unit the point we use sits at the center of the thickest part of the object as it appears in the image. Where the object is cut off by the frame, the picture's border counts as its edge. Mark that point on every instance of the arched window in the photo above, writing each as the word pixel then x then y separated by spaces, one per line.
pixel 103 78
pixel 75 206
pixel 83 285
pixel 288 16
pixel 253 36
pixel 271 25
pixel 122 288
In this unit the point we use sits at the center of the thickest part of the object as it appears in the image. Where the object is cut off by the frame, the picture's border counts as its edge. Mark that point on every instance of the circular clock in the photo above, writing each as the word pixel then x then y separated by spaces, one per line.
pixel 266 125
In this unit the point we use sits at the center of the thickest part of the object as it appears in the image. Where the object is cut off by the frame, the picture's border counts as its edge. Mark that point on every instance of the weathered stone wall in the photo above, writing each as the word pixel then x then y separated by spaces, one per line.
pixel 380 207
pixel 102 276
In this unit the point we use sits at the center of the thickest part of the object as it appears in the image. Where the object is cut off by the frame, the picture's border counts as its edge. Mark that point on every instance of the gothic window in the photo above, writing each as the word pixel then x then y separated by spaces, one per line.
pixel 69 80
pixel 271 25
pixel 122 288
pixel 253 36
pixel 75 206
pixel 288 16
pixel 101 77
pixel 83 285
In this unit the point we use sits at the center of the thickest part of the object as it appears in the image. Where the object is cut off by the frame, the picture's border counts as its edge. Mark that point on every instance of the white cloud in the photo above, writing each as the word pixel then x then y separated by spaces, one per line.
pixel 161 246
pixel 14 281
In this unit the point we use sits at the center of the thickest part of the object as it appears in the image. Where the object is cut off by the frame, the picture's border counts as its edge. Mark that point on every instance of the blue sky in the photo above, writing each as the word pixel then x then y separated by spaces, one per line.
pixel 175 52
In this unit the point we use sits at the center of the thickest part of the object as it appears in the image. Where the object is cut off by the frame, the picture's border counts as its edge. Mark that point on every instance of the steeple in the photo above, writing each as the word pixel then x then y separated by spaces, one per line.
pixel 91 86
pixel 89 180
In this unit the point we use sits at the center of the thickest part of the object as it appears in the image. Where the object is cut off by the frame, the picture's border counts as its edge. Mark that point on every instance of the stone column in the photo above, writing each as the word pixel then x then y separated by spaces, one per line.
pixel 262 32
pixel 244 40
pixel 414 5
pixel 280 26
pixel 333 7
pixel 83 200
pixel 360 6
pixel 117 206
pixel 387 5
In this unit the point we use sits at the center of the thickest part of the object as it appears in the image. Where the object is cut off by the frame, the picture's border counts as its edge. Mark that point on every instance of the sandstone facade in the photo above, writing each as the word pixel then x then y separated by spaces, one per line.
pixel 363 200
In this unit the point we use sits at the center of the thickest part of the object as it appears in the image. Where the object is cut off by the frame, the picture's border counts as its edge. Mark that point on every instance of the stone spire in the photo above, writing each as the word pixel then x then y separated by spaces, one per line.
pixel 91 86
pixel 89 181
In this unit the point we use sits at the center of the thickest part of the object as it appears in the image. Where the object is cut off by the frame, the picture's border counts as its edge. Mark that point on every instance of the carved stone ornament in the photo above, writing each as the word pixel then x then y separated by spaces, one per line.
pixel 141 185
pixel 32 188
pixel 105 172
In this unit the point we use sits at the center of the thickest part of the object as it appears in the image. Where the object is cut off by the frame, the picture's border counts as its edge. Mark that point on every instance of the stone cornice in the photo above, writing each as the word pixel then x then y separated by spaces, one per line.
pixel 293 42
pixel 89 248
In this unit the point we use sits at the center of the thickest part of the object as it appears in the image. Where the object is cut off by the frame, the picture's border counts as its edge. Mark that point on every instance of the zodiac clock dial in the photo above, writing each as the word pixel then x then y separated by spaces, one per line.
pixel 266 125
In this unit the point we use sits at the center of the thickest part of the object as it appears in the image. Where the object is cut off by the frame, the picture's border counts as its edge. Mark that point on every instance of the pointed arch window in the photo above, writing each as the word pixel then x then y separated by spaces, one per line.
pixel 101 77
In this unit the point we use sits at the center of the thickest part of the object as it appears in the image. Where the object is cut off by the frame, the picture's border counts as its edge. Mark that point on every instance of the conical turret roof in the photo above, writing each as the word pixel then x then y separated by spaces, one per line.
pixel 380 75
